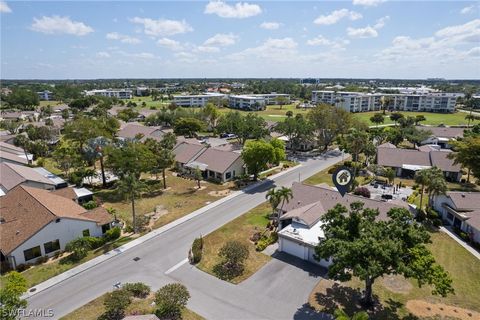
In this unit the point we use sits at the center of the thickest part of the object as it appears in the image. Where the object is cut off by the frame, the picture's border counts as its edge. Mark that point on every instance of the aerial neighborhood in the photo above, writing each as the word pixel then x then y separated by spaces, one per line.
pixel 234 160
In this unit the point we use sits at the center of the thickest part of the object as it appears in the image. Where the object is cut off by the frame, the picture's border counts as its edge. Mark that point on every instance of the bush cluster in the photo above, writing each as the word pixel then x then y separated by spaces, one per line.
pixel 265 241
pixel 137 289
pixel 362 191
pixel 197 248
pixel 92 204
pixel 233 255
pixel 112 234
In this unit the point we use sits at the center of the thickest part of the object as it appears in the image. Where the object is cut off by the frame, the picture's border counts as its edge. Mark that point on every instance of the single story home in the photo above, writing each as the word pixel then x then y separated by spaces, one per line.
pixel 12 154
pixel 79 195
pixel 133 130
pixel 442 136
pixel 11 175
pixel 461 210
pixel 36 223
pixel 186 152
pixel 406 162
pixel 300 225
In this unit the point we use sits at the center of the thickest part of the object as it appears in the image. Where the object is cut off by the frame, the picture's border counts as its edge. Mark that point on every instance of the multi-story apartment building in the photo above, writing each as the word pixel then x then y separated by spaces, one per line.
pixel 111 93
pixel 45 95
pixel 256 101
pixel 196 100
pixel 362 102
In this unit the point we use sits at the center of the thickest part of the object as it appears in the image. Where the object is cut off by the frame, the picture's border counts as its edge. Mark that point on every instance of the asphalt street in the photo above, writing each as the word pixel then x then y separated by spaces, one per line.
pixel 162 260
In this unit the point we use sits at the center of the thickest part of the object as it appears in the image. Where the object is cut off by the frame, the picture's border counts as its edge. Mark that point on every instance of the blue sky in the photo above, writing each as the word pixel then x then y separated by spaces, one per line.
pixel 161 39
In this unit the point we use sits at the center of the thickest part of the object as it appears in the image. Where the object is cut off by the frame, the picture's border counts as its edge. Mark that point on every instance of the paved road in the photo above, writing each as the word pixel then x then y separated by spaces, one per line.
pixel 166 252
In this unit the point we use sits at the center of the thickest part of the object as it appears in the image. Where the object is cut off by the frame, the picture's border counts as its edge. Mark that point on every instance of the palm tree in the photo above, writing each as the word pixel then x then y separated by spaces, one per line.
pixel 436 184
pixel 284 195
pixel 131 187
pixel 273 199
pixel 422 177
pixel 94 149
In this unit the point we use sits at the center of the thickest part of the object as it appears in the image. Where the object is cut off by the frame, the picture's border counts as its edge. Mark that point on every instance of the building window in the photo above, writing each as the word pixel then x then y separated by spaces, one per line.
pixel 86 233
pixel 51 246
pixel 32 253
pixel 228 175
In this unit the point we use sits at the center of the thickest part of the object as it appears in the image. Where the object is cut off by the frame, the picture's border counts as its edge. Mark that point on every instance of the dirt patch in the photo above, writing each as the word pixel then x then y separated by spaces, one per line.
pixel 221 193
pixel 396 283
pixel 422 308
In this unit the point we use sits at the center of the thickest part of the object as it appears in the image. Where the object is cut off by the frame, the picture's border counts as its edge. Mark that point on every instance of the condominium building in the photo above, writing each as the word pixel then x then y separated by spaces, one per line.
pixel 362 102
pixel 196 100
pixel 256 101
pixel 111 93
pixel 45 95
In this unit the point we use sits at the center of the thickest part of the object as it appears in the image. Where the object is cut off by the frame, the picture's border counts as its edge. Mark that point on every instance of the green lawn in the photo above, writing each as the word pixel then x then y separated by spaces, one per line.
pixel 39 273
pixel 462 266
pixel 239 229
pixel 94 309
pixel 450 119
pixel 148 102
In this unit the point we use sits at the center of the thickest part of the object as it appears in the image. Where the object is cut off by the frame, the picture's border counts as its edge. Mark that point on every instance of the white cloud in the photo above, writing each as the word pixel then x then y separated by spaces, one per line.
pixel 141 55
pixel 468 32
pixel 122 38
pixel 170 44
pixel 272 49
pixel 367 3
pixel 474 52
pixel 186 57
pixel 381 22
pixel 4 8
pixel 162 27
pixel 207 49
pixel 336 16
pixel 468 10
pixel 240 10
pixel 322 41
pixel 270 25
pixel 221 39
pixel 103 54
pixel 60 25
pixel 367 32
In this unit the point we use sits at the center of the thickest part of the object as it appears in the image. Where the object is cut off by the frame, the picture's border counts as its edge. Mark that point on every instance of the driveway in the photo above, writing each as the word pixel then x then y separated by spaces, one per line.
pixel 278 290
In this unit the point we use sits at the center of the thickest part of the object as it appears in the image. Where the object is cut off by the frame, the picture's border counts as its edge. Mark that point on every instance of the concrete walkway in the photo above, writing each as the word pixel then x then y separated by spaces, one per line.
pixel 104 257
pixel 461 242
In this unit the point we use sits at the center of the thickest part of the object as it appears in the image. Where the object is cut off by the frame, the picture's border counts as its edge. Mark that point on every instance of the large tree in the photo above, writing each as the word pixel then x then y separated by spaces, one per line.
pixel 467 153
pixel 95 150
pixel 13 287
pixel 377 118
pixel 329 122
pixel 363 246
pixel 257 155
pixel 171 299
pixel 297 129
pixel 250 126
pixel 188 126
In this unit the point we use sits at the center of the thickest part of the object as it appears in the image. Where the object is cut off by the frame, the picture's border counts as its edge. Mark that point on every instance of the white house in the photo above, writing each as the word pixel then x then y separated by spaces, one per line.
pixel 301 228
pixel 461 210
pixel 45 95
pixel 111 93
pixel 36 222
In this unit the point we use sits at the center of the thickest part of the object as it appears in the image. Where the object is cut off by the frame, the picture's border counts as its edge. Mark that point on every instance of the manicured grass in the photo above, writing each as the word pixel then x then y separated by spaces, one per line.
pixel 49 103
pixel 94 309
pixel 239 229
pixel 457 118
pixel 39 273
pixel 148 101
pixel 180 198
pixel 462 266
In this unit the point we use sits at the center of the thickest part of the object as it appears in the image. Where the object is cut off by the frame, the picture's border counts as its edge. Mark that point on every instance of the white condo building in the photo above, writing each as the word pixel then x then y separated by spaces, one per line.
pixel 111 93
pixel 45 95
pixel 362 102
pixel 196 100
pixel 255 101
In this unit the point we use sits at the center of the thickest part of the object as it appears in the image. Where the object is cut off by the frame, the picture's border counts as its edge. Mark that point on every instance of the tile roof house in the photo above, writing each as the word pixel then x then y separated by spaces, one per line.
pixel 132 130
pixel 36 222
pixel 12 154
pixel 441 136
pixel 461 210
pixel 407 161
pixel 219 163
pixel 300 217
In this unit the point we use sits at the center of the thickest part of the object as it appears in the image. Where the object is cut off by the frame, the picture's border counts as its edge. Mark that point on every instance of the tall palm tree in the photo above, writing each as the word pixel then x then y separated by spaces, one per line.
pixel 273 199
pixel 422 177
pixel 284 195
pixel 131 187
pixel 436 184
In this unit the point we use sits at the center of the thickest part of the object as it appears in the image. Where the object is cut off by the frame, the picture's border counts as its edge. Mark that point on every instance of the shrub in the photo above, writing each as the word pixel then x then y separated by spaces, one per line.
pixel 264 241
pixel 92 204
pixel 42 259
pixel 437 222
pixel 128 229
pixel 137 289
pixel 197 247
pixel 94 242
pixel 112 234
pixel 233 255
pixel 171 300
pixel 115 304
pixel 79 247
pixel 362 191
pixel 23 267
pixel 464 236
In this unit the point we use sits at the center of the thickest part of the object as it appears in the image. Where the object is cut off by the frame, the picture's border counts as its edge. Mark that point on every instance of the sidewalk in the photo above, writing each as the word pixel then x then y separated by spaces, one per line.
pixel 461 242
pixel 97 260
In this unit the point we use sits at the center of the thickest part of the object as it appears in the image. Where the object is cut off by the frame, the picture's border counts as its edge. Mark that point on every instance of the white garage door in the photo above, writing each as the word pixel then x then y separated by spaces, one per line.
pixel 293 248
